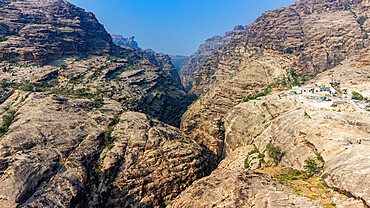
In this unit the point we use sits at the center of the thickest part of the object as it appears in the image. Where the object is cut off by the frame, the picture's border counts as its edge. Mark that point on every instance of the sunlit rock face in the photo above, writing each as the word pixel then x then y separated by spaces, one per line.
pixel 38 31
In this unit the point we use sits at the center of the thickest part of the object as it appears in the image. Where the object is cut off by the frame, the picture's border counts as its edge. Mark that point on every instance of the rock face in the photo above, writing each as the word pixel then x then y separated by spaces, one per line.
pixel 179 61
pixel 239 189
pixel 56 153
pixel 101 130
pixel 295 42
pixel 198 58
pixel 48 151
pixel 37 31
pixel 335 139
pixel 121 41
pixel 129 77
pixel 352 74
pixel 150 163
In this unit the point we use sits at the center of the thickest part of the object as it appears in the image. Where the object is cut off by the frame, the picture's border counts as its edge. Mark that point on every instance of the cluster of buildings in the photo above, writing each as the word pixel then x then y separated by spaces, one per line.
pixel 317 93
pixel 323 93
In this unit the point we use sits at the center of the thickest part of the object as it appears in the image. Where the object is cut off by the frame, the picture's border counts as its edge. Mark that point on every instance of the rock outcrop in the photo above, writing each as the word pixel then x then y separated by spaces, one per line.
pixel 49 150
pixel 64 152
pixel 129 77
pixel 150 163
pixel 328 133
pixel 121 41
pixel 200 56
pixel 38 31
pixel 239 189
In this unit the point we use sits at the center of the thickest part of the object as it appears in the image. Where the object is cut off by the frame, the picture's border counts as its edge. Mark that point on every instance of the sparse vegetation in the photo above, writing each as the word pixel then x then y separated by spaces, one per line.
pixel 98 102
pixel 261 94
pixel 2 39
pixel 357 96
pixel 306 115
pixel 310 167
pixel 6 96
pixel 361 20
pixel 108 139
pixel 7 120
pixel 274 152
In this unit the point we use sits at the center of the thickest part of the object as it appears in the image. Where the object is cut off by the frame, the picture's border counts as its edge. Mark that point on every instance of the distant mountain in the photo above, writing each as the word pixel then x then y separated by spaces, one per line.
pixel 122 41
pixel 179 61
pixel 198 58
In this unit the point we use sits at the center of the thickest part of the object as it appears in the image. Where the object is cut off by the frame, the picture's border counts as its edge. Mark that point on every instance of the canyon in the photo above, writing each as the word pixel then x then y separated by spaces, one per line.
pixel 89 119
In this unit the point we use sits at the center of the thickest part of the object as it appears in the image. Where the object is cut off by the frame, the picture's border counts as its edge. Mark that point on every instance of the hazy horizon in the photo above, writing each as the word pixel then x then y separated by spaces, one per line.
pixel 175 27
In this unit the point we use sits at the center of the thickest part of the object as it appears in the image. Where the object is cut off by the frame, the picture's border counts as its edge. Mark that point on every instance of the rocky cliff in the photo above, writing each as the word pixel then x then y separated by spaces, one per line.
pixel 66 152
pixel 79 130
pixel 200 56
pixel 283 47
pixel 121 41
pixel 68 140
pixel 95 130
pixel 234 118
pixel 37 31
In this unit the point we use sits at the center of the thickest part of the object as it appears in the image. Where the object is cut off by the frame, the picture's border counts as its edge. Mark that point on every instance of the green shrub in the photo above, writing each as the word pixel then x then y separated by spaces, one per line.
pixel 246 163
pixel 27 87
pixel 7 120
pixel 361 20
pixel 255 150
pixel 325 175
pixel 274 152
pixel 320 158
pixel 2 39
pixel 116 119
pixel 357 96
pixel 108 141
pixel 310 166
pixel 306 115
pixel 98 102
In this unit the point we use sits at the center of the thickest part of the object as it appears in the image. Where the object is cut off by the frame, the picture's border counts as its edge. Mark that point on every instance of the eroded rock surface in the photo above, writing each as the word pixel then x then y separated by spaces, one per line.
pixel 200 56
pixel 37 31
pixel 150 163
pixel 140 80
pixel 288 43
pixel 48 153
pixel 341 138
pixel 239 189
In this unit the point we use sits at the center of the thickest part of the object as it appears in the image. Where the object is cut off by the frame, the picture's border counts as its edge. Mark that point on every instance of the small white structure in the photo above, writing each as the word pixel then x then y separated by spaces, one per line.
pixel 319 98
pixel 364 106
pixel 339 102
pixel 324 89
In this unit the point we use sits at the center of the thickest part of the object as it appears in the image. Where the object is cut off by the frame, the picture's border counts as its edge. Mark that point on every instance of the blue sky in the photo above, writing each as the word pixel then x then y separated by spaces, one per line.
pixel 176 27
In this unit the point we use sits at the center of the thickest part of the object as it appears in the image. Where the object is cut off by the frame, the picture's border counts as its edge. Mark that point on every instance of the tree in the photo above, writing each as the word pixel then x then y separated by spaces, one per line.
pixel 274 152
pixel 310 166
